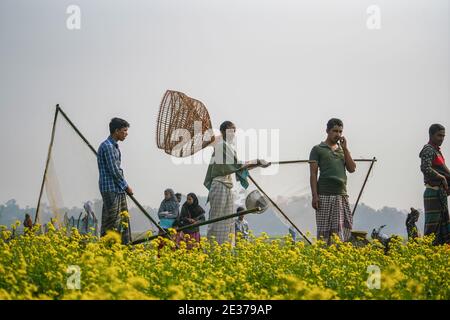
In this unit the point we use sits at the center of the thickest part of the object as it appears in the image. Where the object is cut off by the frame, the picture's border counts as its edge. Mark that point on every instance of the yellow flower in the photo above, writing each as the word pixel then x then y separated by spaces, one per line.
pixel 112 237
pixel 35 265
pixel 177 292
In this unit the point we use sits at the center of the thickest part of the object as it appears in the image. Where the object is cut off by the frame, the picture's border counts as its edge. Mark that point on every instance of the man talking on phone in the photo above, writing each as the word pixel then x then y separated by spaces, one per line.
pixel 329 191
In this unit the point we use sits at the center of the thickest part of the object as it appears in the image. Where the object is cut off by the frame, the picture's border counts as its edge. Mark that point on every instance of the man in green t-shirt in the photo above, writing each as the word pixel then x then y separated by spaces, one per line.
pixel 329 192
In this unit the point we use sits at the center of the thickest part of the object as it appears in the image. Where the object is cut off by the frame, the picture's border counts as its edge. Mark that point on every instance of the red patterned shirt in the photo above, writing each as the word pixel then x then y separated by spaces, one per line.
pixel 432 162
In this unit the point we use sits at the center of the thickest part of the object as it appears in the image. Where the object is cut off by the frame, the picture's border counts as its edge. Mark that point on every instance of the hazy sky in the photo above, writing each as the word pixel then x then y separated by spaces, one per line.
pixel 287 65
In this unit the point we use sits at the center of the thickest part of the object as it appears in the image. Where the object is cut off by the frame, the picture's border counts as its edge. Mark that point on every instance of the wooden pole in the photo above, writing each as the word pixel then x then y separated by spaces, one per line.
pixel 364 184
pixel 199 224
pixel 49 153
pixel 313 161
pixel 293 161
pixel 279 209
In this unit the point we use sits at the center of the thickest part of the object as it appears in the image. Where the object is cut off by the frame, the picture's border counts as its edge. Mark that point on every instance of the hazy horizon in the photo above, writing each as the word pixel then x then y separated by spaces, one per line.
pixel 281 65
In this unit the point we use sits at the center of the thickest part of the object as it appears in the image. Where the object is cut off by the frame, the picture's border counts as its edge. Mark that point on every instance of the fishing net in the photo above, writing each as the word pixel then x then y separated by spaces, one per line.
pixel 289 188
pixel 71 196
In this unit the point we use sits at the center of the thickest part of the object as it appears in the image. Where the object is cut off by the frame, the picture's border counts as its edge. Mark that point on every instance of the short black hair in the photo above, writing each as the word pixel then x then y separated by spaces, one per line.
pixel 117 124
pixel 334 122
pixel 435 128
pixel 239 209
pixel 225 125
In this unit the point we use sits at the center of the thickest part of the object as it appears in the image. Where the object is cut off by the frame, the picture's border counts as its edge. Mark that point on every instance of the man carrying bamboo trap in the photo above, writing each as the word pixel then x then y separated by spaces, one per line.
pixel 219 182
pixel 179 113
pixel 329 191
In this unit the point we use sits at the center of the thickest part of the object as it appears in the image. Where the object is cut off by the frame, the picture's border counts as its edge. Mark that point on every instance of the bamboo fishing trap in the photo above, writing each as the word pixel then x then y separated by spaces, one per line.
pixel 183 124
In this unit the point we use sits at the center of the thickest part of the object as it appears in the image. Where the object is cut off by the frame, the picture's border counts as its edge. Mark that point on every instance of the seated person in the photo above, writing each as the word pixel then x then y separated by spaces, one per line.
pixel 191 213
pixel 168 210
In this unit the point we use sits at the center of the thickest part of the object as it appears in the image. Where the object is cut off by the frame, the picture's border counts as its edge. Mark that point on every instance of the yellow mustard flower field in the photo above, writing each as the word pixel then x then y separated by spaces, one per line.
pixel 55 265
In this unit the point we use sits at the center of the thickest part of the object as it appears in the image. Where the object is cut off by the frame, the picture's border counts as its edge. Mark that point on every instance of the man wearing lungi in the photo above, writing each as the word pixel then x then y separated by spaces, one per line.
pixel 436 176
pixel 329 192
pixel 113 186
pixel 219 182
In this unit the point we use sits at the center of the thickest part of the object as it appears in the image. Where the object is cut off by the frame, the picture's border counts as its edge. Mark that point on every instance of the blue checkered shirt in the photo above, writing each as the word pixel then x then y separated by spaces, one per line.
pixel 111 177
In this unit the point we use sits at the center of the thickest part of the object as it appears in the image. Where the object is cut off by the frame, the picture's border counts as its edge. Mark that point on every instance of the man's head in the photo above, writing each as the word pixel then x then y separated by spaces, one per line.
pixel 334 129
pixel 178 196
pixel 228 130
pixel 437 134
pixel 118 128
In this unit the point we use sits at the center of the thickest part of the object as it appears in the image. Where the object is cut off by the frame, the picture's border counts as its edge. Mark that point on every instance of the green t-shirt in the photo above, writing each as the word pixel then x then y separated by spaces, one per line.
pixel 332 178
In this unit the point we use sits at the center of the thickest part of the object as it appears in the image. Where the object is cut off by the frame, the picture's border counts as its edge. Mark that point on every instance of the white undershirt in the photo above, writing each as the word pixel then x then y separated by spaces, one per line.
pixel 228 179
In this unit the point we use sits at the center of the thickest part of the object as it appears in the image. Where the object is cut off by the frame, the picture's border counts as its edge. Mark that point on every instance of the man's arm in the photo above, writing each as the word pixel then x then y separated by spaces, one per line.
pixel 426 166
pixel 247 229
pixel 113 168
pixel 161 208
pixel 314 170
pixel 349 162
pixel 255 164
pixel 200 218
pixel 174 213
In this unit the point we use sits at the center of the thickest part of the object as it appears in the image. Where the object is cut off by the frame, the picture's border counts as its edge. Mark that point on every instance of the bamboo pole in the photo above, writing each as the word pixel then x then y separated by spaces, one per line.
pixel 364 184
pixel 293 161
pixel 279 209
pixel 199 224
pixel 313 161
pixel 49 153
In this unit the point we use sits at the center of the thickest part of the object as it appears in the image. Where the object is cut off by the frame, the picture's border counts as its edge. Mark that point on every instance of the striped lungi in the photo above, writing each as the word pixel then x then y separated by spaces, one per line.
pixel 113 205
pixel 334 217
pixel 436 215
pixel 221 204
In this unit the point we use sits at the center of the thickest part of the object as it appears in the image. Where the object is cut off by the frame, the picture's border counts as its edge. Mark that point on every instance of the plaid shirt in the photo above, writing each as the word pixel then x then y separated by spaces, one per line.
pixel 241 227
pixel 111 177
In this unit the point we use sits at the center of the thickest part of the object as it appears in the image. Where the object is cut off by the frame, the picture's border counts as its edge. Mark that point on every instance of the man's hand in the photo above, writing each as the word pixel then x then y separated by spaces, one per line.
pixel 343 141
pixel 315 202
pixel 129 191
pixel 164 214
pixel 263 163
pixel 350 164
pixel 445 183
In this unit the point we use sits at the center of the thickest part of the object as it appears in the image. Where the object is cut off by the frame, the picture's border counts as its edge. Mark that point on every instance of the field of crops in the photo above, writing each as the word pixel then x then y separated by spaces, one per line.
pixel 57 266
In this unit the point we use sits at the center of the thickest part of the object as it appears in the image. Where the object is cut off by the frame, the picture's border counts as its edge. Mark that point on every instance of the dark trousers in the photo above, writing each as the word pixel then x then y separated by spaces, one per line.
pixel 113 205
